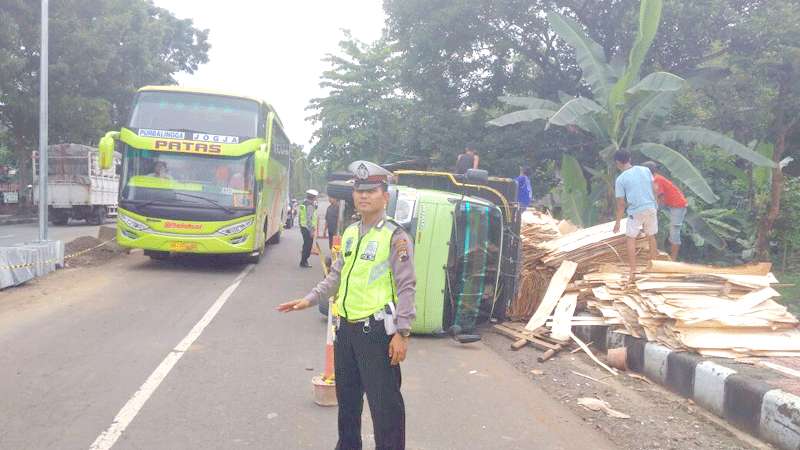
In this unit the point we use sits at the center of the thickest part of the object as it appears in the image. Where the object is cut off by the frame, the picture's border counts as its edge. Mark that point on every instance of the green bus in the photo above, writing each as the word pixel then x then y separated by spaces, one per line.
pixel 202 172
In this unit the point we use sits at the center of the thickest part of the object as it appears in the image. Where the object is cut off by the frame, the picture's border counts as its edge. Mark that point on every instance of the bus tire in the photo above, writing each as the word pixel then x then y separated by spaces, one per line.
pixel 341 190
pixel 275 239
pixel 156 255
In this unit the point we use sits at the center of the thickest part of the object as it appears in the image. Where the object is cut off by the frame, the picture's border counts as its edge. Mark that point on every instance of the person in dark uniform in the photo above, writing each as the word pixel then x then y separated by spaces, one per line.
pixel 467 160
pixel 332 220
pixel 308 225
pixel 375 280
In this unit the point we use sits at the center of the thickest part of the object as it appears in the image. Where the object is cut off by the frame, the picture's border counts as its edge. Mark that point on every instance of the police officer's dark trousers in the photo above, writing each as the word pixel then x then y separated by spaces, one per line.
pixel 363 365
pixel 308 239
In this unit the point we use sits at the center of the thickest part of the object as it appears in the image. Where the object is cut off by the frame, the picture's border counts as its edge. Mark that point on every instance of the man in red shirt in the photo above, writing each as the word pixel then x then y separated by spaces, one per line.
pixel 670 197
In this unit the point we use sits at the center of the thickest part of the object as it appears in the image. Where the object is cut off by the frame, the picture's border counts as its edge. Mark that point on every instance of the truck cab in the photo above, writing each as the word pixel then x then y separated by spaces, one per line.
pixel 465 245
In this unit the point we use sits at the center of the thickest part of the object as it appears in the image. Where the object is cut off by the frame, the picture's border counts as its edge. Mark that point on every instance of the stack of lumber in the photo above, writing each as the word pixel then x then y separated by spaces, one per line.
pixel 545 247
pixel 537 229
pixel 591 247
pixel 724 312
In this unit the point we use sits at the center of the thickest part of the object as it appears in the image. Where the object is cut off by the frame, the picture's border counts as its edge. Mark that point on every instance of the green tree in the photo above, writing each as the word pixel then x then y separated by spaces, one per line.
pixel 101 51
pixel 627 111
pixel 364 113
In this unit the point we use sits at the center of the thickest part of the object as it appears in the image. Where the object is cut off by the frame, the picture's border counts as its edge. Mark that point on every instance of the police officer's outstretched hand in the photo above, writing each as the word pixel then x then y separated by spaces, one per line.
pixel 294 305
pixel 397 349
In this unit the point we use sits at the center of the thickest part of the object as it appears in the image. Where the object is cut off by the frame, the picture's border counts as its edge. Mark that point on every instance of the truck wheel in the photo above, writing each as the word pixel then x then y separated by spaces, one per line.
pixel 340 176
pixel 98 216
pixel 59 218
pixel 341 190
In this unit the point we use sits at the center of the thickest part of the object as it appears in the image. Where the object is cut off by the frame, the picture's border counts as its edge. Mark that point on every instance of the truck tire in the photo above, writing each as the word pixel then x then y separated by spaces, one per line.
pixel 341 190
pixel 340 176
pixel 98 216
pixel 59 218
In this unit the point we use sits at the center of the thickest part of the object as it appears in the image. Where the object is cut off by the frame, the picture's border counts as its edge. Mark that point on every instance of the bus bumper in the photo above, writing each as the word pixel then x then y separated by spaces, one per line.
pixel 243 242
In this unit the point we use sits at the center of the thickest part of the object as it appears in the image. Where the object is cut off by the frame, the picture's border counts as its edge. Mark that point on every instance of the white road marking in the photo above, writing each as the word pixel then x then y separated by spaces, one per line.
pixel 128 412
pixel 7 236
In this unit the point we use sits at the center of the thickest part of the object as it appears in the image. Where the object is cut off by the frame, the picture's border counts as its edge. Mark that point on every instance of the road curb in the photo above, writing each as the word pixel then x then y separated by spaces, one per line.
pixel 750 404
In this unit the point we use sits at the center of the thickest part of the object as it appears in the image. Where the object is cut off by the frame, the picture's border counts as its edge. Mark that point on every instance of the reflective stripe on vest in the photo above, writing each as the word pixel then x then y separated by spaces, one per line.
pixel 367 284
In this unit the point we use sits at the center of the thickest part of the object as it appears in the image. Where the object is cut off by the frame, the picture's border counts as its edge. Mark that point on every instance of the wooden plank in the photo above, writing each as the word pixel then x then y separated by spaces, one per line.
pixel 678 267
pixel 516 335
pixel 554 292
pixel 586 350
pixel 741 306
pixel 742 340
pixel 562 318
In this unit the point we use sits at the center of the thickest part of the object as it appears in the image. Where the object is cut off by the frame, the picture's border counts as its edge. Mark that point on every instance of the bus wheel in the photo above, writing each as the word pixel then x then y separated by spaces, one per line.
pixel 275 239
pixel 255 257
pixel 157 255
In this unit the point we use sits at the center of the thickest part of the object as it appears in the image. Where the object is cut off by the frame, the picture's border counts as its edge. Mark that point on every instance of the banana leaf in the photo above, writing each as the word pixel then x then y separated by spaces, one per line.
pixel 526 115
pixel 703 136
pixel 590 55
pixel 680 168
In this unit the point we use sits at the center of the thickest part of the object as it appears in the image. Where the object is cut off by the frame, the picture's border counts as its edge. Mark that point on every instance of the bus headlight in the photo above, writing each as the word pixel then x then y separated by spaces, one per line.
pixel 235 228
pixel 133 223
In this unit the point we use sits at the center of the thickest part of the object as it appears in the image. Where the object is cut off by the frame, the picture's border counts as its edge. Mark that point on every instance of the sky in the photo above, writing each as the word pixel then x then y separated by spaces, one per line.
pixel 273 49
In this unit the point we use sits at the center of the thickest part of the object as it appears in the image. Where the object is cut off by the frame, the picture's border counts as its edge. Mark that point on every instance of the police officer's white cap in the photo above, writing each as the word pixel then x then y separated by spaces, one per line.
pixel 368 175
pixel 312 192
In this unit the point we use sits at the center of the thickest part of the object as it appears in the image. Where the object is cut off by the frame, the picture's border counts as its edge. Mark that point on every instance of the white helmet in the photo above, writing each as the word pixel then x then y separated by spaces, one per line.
pixel 312 192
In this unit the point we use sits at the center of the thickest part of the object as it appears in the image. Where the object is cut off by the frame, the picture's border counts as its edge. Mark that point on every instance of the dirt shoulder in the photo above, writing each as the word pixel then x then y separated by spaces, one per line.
pixel 659 420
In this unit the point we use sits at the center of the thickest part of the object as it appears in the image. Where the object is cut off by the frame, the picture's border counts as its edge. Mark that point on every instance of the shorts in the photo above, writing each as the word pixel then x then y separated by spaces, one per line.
pixel 676 216
pixel 647 219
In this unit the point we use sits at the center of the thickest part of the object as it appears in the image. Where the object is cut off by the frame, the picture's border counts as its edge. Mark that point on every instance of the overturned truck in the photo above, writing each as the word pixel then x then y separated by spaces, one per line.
pixel 466 238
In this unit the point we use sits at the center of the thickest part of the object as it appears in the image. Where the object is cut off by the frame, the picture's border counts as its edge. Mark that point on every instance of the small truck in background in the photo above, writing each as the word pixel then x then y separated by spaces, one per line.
pixel 77 188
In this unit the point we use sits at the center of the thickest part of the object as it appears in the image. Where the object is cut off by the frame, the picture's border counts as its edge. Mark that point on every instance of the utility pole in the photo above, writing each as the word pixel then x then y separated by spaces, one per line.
pixel 43 170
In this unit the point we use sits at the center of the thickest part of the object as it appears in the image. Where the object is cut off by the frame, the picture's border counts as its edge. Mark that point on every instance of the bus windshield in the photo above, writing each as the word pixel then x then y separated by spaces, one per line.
pixel 221 182
pixel 180 111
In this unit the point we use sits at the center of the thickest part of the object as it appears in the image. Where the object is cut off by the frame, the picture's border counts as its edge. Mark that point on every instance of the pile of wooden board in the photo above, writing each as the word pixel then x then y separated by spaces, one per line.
pixel 725 312
pixel 547 242
pixel 537 229
pixel 591 247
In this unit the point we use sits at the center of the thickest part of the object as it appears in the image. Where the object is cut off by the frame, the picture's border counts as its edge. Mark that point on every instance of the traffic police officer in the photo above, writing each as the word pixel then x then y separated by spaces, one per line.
pixel 375 306
pixel 308 225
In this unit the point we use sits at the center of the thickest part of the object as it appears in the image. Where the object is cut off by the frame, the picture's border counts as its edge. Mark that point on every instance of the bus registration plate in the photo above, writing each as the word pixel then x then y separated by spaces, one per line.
pixel 182 246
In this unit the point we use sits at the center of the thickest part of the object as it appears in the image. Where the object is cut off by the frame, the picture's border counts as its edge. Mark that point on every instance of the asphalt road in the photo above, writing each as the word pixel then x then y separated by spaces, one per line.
pixel 17 234
pixel 79 345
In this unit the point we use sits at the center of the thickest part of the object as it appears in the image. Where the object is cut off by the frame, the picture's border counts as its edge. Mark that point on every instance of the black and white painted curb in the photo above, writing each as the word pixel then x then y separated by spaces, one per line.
pixel 752 405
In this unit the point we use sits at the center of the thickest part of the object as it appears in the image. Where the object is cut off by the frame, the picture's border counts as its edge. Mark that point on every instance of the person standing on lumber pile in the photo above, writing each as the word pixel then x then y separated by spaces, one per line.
pixel 670 196
pixel 635 188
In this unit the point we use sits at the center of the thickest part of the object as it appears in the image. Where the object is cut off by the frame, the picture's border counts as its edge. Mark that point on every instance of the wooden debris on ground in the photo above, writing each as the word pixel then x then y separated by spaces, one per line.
pixel 724 312
pixel 540 339
pixel 595 404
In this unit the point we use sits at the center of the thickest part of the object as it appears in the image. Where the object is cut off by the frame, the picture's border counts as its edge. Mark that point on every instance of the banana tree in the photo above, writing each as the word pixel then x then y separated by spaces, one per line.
pixel 628 111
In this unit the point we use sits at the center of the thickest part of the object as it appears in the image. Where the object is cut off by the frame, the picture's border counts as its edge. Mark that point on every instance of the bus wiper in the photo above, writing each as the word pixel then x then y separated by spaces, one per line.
pixel 213 202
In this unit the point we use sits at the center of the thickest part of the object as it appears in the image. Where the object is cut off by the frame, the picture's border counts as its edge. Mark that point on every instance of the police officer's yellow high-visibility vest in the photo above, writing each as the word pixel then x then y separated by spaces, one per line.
pixel 304 217
pixel 366 283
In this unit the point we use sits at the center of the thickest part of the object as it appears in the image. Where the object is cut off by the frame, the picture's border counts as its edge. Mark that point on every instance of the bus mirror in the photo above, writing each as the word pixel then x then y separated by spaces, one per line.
pixel 106 150
pixel 261 166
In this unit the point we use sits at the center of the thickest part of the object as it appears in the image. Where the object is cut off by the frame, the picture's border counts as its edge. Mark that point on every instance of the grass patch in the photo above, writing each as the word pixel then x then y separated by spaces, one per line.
pixel 790 296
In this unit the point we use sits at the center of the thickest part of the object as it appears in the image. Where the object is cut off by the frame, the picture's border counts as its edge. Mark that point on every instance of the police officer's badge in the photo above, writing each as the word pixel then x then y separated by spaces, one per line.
pixel 362 172
pixel 371 251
